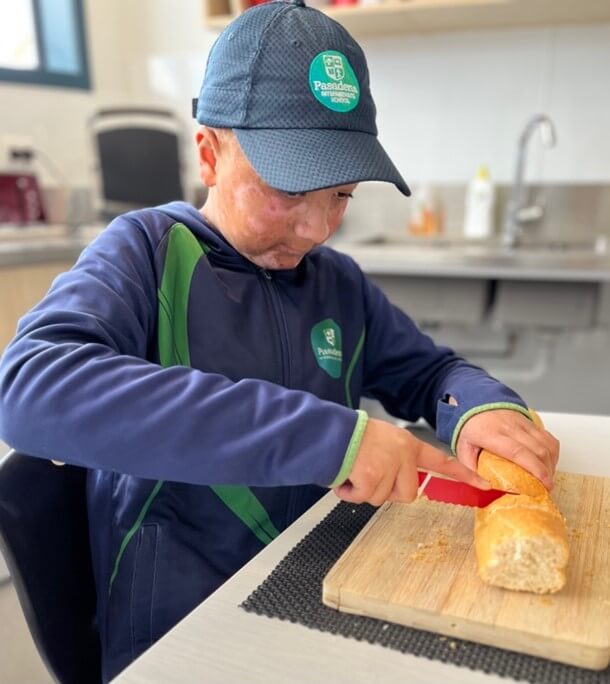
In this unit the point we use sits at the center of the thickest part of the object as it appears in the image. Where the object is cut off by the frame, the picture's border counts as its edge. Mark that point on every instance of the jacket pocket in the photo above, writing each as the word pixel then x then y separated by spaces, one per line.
pixel 143 588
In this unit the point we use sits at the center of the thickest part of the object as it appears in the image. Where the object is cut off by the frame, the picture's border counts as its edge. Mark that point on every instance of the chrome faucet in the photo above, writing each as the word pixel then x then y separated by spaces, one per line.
pixel 516 213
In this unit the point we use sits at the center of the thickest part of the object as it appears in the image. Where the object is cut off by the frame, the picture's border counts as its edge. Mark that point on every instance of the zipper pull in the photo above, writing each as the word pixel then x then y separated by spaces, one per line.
pixel 266 273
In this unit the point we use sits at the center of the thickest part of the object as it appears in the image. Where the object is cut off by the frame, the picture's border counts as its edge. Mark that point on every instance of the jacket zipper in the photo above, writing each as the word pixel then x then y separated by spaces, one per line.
pixel 282 327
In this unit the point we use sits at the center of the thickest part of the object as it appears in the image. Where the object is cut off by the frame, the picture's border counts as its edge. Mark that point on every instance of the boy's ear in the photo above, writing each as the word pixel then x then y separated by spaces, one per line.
pixel 208 145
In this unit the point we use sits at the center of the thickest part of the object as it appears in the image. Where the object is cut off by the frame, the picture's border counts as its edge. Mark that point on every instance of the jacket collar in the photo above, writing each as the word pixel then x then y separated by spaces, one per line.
pixel 221 251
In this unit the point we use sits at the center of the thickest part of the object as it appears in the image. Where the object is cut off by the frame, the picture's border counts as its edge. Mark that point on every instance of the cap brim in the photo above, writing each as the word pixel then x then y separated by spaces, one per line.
pixel 302 160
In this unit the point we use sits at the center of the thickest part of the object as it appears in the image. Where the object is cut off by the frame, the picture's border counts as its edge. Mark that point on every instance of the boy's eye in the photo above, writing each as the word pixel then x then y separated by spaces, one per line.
pixel 338 195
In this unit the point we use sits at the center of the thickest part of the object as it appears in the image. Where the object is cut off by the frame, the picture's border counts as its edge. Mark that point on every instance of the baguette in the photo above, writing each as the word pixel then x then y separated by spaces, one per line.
pixel 521 540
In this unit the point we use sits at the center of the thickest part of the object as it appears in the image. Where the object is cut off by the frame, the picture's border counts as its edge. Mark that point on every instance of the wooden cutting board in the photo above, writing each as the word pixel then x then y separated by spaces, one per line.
pixel 415 564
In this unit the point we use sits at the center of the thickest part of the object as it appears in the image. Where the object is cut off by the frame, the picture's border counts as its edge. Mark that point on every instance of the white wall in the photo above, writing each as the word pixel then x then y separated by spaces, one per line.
pixel 140 52
pixel 167 59
pixel 446 102
pixel 55 118
pixel 449 102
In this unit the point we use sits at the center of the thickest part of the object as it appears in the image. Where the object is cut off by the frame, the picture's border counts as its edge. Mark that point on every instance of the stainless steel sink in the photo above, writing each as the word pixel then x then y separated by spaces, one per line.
pixel 492 251
pixel 596 245
pixel 387 253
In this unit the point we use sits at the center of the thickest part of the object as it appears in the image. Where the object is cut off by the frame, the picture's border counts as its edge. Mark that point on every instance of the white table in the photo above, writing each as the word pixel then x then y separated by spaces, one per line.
pixel 220 642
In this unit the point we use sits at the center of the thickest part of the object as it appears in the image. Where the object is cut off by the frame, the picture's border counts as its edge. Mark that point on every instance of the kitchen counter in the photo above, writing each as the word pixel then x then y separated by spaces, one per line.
pixel 44 243
pixel 40 250
pixel 220 642
pixel 52 243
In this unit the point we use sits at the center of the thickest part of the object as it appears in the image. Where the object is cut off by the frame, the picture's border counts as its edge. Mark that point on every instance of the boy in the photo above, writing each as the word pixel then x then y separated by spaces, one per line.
pixel 206 366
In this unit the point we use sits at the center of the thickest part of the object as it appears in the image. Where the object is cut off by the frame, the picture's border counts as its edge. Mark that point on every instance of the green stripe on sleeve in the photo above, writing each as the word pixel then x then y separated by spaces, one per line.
pixel 352 449
pixel 481 409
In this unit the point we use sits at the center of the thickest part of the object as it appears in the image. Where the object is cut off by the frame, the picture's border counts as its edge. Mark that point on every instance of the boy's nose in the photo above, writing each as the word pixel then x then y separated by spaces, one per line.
pixel 314 224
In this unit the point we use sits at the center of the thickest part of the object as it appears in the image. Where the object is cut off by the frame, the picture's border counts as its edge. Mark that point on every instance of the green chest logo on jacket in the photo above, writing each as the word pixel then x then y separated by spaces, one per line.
pixel 326 344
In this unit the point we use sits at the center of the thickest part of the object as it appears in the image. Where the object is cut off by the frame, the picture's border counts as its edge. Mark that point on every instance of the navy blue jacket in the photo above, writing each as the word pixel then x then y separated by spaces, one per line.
pixel 266 401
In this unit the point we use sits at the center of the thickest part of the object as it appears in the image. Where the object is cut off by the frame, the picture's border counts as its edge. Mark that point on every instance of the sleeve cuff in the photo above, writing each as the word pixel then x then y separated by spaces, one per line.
pixel 352 449
pixel 481 409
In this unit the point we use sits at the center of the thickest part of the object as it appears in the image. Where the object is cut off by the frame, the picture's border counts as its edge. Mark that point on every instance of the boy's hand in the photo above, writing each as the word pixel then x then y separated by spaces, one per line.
pixel 385 468
pixel 513 436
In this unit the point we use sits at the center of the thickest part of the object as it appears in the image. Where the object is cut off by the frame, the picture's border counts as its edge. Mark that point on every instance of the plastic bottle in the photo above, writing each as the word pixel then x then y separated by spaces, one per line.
pixel 479 207
pixel 426 216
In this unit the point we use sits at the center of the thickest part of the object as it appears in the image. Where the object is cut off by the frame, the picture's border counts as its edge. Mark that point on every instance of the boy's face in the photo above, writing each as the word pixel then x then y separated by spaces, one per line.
pixel 271 228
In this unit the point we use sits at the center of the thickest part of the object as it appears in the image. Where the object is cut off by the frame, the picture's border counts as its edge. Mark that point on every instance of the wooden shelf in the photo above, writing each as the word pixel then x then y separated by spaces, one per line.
pixel 432 16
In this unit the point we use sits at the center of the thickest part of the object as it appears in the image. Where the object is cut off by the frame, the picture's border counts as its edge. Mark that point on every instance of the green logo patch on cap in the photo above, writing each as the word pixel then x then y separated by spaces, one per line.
pixel 333 81
pixel 326 344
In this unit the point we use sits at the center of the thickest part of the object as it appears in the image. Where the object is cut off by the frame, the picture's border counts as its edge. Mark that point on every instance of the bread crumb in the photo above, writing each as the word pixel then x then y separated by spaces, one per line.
pixel 442 638
pixel 452 645
pixel 437 549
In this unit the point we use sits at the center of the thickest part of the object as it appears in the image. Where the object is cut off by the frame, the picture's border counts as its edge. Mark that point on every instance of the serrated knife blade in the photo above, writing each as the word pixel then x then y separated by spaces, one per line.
pixel 454 492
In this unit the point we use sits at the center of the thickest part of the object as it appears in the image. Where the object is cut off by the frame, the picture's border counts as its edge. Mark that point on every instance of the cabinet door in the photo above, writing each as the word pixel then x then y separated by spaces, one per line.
pixel 22 287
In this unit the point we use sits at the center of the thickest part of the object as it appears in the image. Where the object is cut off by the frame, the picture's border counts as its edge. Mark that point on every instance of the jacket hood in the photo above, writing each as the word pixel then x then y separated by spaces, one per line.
pixel 191 217
pixel 222 250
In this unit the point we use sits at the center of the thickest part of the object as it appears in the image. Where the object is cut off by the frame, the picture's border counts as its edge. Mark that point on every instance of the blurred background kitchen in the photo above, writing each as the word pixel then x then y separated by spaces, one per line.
pixel 495 111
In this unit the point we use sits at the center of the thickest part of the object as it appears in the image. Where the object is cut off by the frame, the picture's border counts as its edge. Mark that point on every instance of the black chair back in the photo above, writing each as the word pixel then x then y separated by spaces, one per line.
pixel 44 538
pixel 138 153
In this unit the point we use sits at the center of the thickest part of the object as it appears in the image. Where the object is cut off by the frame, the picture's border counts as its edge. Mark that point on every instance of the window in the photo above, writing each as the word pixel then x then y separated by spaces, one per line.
pixel 43 42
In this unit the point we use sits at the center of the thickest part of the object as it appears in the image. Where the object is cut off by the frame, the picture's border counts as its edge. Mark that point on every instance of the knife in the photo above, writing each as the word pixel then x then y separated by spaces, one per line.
pixel 454 492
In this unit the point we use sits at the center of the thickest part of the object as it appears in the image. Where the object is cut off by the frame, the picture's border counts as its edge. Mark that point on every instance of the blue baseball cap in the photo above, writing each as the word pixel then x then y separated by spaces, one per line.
pixel 294 86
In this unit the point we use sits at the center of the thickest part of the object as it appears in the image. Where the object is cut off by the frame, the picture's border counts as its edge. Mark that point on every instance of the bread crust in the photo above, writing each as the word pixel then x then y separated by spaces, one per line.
pixel 508 476
pixel 520 539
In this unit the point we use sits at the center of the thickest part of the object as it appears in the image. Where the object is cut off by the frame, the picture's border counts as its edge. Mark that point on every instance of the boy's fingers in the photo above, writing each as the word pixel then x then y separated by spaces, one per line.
pixel 514 450
pixel 405 487
pixel 468 454
pixel 555 446
pixel 347 492
pixel 544 444
pixel 539 447
pixel 382 490
pixel 430 458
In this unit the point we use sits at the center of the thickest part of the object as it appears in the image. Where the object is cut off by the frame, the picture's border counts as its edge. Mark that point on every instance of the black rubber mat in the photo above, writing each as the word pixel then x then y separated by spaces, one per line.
pixel 293 591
